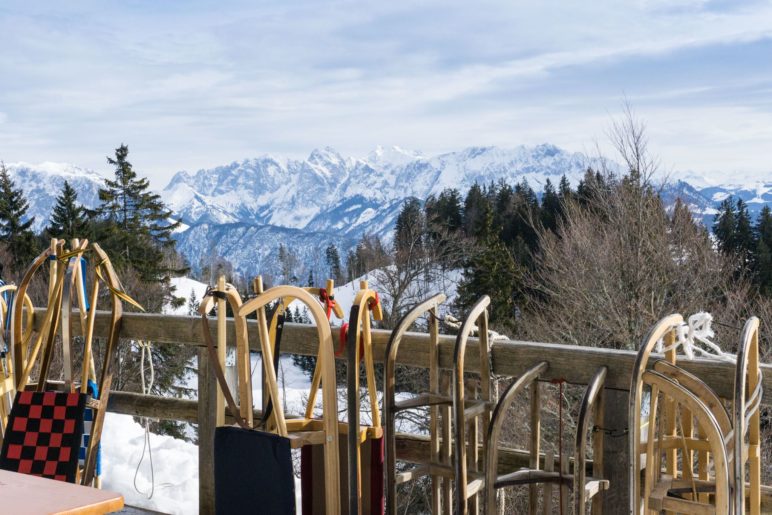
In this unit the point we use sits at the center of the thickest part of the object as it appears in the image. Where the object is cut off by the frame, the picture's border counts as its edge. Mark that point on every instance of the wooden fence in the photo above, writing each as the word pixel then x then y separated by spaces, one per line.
pixel 574 364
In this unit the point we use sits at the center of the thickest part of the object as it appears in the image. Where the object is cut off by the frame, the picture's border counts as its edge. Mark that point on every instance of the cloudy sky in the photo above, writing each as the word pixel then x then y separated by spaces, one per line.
pixel 197 84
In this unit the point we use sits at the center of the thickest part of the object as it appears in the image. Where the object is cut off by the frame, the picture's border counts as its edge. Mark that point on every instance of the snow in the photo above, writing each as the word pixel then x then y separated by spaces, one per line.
pixel 175 462
pixel 183 286
pixel 175 467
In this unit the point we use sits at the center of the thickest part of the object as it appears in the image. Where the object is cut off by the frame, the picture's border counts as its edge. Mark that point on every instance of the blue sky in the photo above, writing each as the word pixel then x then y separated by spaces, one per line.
pixel 197 84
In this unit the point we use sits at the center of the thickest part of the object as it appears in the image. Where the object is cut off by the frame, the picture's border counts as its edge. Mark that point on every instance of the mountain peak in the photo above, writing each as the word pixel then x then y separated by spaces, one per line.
pixel 393 155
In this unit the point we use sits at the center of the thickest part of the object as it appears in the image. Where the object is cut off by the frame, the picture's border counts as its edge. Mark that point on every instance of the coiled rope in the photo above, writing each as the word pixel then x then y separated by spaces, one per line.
pixel 146 349
pixel 696 330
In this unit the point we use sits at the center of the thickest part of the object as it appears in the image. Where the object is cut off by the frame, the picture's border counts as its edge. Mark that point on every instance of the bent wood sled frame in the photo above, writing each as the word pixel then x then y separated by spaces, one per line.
pixel 365 303
pixel 471 412
pixel 305 431
pixel 65 274
pixel 439 400
pixel 584 488
pixel 743 423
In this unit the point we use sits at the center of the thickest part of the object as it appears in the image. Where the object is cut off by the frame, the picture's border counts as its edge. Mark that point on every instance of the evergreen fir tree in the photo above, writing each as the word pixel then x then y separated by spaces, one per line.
pixel 14 225
pixel 443 213
pixel 192 303
pixel 493 272
pixel 409 229
pixel 136 228
pixel 724 226
pixel 566 193
pixel 744 242
pixel 68 219
pixel 763 255
pixel 333 262
pixel 551 209
pixel 477 209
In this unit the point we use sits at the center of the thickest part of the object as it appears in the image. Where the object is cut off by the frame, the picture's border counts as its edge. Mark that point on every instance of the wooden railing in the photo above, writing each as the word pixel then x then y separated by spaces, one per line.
pixel 574 364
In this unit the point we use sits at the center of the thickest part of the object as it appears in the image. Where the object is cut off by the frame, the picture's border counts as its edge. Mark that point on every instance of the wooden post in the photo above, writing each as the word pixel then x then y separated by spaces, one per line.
pixel 207 403
pixel 615 452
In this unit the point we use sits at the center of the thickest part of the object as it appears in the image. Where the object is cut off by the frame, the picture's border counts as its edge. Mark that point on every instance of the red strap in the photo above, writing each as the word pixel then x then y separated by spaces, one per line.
pixel 329 302
pixel 344 340
pixel 372 303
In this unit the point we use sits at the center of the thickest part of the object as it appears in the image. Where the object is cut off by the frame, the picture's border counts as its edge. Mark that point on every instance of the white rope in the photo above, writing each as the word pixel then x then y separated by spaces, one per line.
pixel 696 330
pixel 146 348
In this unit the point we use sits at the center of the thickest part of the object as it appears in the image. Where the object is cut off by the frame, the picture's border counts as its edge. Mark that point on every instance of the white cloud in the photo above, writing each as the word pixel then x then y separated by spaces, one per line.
pixel 212 82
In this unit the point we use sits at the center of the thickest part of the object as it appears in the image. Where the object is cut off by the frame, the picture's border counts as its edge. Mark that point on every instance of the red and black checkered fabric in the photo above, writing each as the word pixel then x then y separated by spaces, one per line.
pixel 43 434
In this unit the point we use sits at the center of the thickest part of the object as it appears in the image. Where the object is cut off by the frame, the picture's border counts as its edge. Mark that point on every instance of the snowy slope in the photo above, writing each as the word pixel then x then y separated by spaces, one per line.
pixel 183 286
pixel 42 183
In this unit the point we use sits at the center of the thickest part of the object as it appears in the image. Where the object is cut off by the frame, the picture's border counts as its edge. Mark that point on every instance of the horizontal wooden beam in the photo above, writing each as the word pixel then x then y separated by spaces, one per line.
pixel 410 448
pixel 573 363
pixel 163 408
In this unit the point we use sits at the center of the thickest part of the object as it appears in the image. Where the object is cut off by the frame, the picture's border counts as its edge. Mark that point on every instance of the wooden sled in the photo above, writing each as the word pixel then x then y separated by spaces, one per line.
pixel 363 446
pixel 305 430
pixel 743 424
pixel 326 297
pixel 474 413
pixel 65 289
pixel 366 304
pixel 438 398
pixel 684 493
pixel 584 488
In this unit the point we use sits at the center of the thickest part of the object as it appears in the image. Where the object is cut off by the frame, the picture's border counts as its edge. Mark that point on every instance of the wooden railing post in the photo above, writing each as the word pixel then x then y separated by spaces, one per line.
pixel 615 452
pixel 207 413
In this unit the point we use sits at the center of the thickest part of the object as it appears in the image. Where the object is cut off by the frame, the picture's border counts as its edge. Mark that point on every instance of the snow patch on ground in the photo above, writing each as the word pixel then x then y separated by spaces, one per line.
pixel 183 286
pixel 175 467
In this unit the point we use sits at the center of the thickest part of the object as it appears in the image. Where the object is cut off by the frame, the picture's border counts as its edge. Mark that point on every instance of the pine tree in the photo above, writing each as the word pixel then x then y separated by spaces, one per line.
pixel 763 256
pixel 551 209
pixel 724 226
pixel 192 303
pixel 409 229
pixel 333 261
pixel 443 213
pixel 14 225
pixel 744 242
pixel 566 193
pixel 493 272
pixel 68 219
pixel 135 226
pixel 477 209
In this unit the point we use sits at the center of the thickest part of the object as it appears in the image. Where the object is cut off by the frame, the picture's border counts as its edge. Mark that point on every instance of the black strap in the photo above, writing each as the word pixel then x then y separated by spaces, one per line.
pixel 276 354
pixel 218 372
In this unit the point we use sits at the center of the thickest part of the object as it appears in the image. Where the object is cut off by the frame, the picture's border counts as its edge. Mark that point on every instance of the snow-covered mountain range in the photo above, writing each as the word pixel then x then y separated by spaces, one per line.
pixel 244 210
